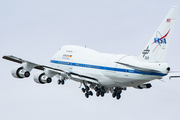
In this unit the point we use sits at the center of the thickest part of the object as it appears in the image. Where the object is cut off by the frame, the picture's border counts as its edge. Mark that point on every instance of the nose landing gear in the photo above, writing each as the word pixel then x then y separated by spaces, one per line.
pixel 61 82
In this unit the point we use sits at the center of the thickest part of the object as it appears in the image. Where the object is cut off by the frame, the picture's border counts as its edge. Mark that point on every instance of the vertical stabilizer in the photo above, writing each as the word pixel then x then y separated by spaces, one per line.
pixel 156 49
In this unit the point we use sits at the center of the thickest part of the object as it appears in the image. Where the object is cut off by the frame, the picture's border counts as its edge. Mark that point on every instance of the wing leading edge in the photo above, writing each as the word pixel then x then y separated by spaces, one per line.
pixel 51 71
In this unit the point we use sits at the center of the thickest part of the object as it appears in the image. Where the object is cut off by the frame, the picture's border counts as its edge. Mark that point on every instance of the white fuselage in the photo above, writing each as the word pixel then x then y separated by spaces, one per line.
pixel 104 67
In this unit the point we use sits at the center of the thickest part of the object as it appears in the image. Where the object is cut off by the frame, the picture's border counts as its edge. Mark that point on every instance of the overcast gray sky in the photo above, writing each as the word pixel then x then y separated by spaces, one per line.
pixel 36 29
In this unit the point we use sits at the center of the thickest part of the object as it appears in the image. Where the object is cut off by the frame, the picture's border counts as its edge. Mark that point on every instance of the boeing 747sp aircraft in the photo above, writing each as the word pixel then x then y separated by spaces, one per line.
pixel 103 72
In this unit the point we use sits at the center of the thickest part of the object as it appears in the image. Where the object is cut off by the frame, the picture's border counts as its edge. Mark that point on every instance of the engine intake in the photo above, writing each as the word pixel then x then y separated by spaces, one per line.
pixel 20 72
pixel 42 78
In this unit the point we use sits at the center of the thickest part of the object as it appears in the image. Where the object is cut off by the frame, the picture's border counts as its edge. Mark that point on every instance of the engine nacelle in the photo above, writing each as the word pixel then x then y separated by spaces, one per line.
pixel 20 72
pixel 42 78
pixel 144 86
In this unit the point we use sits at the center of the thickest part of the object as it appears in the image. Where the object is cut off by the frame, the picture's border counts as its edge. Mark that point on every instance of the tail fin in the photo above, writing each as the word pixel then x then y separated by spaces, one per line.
pixel 156 49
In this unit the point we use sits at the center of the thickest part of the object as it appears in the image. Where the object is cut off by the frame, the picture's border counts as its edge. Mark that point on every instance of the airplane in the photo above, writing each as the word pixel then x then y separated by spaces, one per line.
pixel 105 73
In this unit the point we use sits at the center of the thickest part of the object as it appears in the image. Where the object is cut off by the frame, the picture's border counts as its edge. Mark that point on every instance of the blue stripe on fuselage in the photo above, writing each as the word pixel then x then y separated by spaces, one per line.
pixel 107 68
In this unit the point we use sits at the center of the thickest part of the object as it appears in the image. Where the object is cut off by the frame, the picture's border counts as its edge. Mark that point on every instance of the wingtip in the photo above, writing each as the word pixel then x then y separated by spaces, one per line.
pixel 4 57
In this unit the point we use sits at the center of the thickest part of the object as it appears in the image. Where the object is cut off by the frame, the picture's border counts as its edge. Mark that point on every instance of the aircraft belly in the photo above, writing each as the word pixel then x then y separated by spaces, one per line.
pixel 103 80
pixel 129 80
pixel 95 73
pixel 108 77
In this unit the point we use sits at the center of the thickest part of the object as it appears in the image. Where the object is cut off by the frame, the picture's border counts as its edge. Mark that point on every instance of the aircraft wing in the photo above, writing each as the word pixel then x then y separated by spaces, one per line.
pixel 53 71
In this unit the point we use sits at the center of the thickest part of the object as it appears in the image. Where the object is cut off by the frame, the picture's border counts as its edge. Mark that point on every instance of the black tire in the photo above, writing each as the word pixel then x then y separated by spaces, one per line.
pixel 83 90
pixel 59 82
pixel 97 94
pixel 96 88
pixel 114 95
pixel 102 94
pixel 91 93
pixel 87 88
pixel 118 96
pixel 62 82
pixel 86 95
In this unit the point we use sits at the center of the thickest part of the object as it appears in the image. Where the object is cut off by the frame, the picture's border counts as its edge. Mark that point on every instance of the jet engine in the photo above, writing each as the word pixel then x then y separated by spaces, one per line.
pixel 20 72
pixel 142 86
pixel 42 78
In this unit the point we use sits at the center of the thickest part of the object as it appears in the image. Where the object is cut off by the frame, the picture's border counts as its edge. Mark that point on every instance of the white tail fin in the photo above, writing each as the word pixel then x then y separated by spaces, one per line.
pixel 156 49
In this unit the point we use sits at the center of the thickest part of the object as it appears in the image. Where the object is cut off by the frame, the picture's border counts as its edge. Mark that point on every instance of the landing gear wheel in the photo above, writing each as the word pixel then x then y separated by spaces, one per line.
pixel 118 96
pixel 91 93
pixel 97 94
pixel 87 95
pixel 59 82
pixel 114 95
pixel 102 94
pixel 96 88
pixel 62 82
pixel 83 90
pixel 87 88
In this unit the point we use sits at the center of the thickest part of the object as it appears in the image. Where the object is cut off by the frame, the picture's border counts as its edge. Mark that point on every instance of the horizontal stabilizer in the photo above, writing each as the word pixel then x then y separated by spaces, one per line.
pixel 174 77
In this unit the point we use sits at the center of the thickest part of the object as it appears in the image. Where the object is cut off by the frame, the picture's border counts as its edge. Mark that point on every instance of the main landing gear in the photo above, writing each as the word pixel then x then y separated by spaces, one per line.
pixel 87 92
pixel 117 93
pixel 100 91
